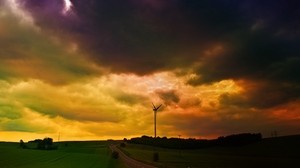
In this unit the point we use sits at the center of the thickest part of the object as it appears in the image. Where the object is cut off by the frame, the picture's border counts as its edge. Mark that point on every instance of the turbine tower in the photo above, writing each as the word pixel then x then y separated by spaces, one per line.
pixel 155 109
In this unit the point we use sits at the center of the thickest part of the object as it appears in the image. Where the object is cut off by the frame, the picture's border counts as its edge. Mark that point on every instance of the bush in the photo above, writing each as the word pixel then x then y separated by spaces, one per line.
pixel 155 156
pixel 115 154
pixel 22 144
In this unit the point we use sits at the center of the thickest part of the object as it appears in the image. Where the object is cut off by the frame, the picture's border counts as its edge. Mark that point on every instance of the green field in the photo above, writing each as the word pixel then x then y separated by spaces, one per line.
pixel 86 154
pixel 273 152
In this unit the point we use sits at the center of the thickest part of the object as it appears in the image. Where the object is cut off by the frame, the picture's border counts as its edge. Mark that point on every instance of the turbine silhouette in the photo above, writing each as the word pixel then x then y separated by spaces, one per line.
pixel 155 109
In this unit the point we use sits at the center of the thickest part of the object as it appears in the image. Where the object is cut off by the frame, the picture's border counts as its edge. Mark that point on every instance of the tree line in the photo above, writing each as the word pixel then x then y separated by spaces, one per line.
pixel 191 143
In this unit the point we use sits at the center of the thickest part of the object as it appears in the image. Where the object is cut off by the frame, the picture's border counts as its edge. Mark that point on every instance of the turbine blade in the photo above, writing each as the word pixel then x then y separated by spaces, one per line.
pixel 158 107
pixel 153 106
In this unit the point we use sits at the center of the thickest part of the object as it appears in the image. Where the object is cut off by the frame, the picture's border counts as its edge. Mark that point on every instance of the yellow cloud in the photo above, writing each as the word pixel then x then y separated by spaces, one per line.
pixel 109 105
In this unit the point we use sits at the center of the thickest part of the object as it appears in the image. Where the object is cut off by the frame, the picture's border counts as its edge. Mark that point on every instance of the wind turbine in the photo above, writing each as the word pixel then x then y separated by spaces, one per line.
pixel 155 109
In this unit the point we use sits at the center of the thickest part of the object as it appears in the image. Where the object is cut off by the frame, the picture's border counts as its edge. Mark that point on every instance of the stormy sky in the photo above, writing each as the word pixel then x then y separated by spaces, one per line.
pixel 90 69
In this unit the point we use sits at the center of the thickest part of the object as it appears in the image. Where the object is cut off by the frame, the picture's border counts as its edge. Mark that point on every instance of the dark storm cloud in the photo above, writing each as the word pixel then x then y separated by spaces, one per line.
pixel 257 55
pixel 168 96
pixel 262 95
pixel 263 49
pixel 262 38
pixel 269 52
pixel 139 37
pixel 132 35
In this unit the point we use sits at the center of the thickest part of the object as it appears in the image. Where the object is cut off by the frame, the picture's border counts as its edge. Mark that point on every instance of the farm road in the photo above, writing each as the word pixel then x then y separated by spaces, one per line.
pixel 129 162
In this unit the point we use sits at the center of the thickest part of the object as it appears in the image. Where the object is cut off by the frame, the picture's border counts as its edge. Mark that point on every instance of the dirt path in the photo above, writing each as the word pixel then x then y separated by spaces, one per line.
pixel 129 162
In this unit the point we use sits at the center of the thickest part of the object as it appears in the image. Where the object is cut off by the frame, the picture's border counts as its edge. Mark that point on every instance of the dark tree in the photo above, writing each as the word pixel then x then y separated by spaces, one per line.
pixel 46 143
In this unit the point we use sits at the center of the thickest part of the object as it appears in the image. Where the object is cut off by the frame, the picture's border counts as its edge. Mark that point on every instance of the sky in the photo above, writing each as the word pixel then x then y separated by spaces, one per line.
pixel 90 69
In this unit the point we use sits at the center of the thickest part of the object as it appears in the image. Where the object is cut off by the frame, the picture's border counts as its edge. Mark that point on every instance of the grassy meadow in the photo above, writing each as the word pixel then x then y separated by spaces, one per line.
pixel 270 152
pixel 85 154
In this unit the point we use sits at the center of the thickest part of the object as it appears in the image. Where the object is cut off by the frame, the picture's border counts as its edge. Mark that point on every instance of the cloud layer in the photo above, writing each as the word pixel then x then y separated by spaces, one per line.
pixel 217 67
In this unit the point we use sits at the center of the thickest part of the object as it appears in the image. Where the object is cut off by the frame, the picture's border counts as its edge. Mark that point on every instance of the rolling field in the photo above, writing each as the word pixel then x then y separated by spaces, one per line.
pixel 86 154
pixel 273 152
